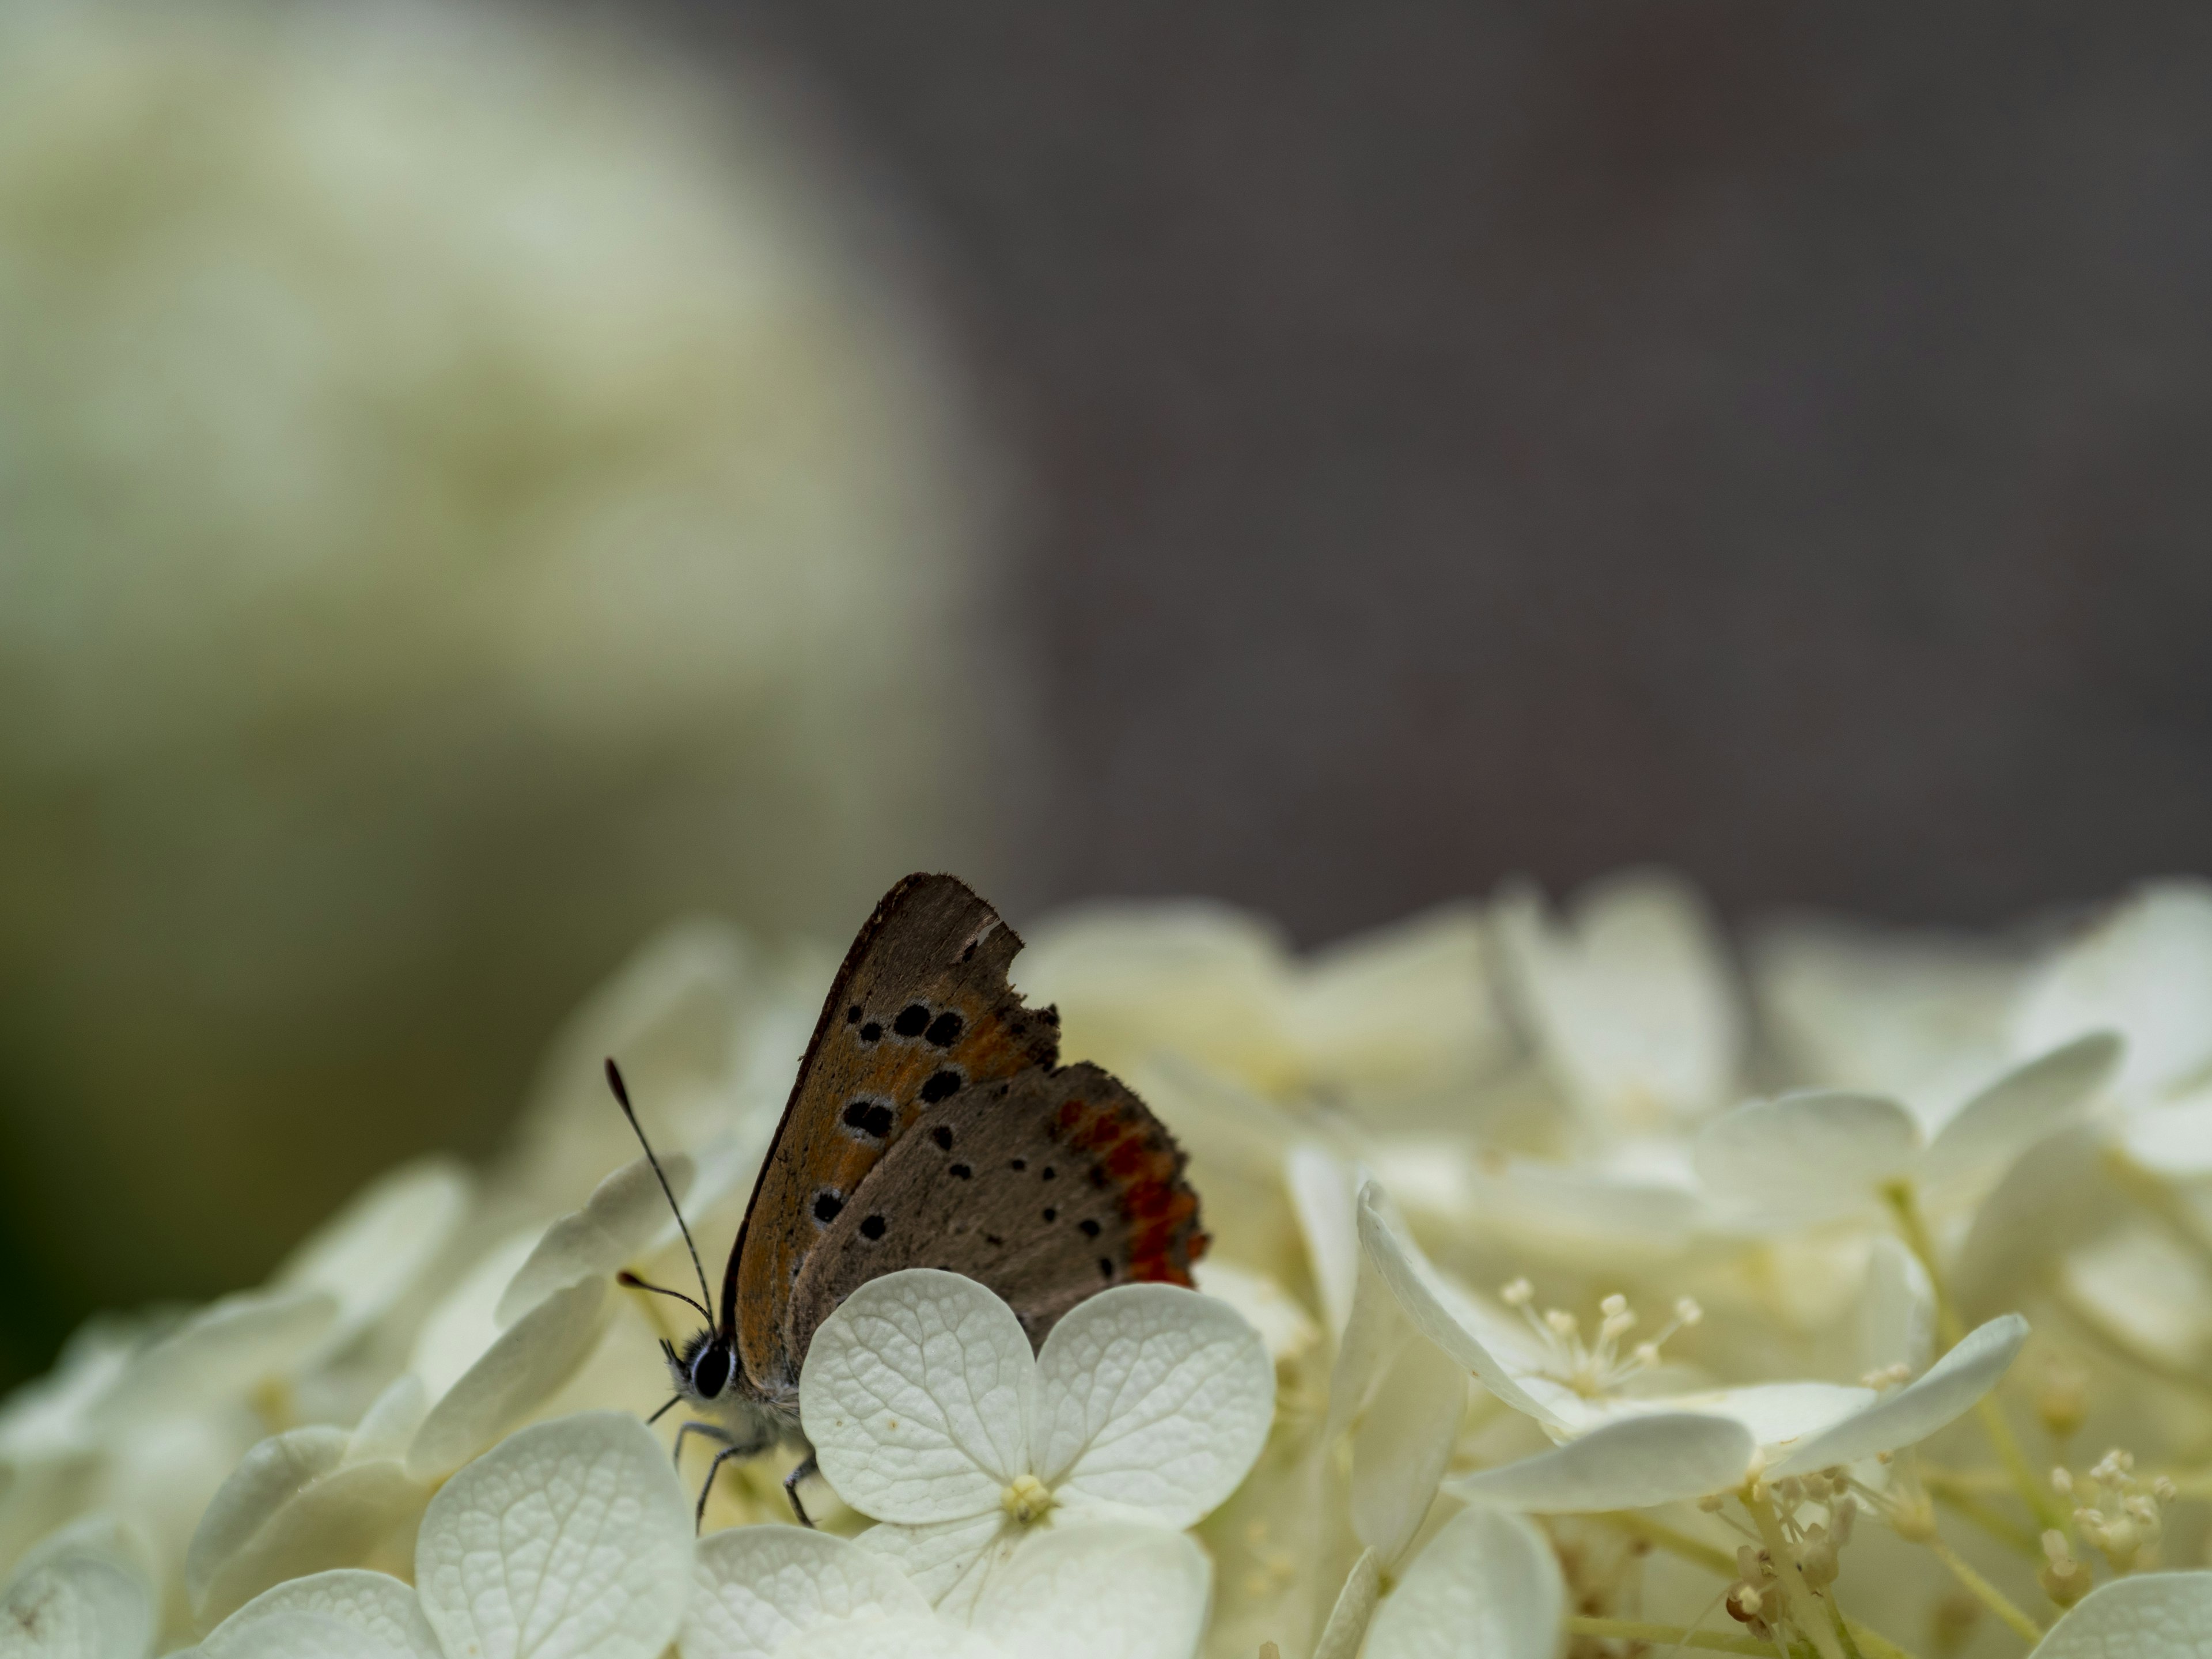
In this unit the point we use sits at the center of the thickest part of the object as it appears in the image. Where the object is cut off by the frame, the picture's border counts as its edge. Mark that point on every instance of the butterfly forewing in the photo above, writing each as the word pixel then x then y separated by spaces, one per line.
pixel 920 1011
pixel 1047 1188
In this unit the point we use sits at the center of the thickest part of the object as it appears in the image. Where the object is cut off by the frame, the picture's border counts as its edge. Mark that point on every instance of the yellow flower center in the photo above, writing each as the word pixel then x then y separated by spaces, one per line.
pixel 1026 1500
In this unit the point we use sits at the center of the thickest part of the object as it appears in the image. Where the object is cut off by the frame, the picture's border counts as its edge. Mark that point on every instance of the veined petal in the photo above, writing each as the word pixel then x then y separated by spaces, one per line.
pixel 623 1215
pixel 2154 1615
pixel 1439 1310
pixel 909 1637
pixel 81 1595
pixel 1487 1587
pixel 571 1540
pixel 1629 1465
pixel 1099 1590
pixel 2019 1108
pixel 1151 1398
pixel 948 1561
pixel 328 1615
pixel 1916 1411
pixel 1402 1443
pixel 755 1587
pixel 1805 1159
pixel 918 1394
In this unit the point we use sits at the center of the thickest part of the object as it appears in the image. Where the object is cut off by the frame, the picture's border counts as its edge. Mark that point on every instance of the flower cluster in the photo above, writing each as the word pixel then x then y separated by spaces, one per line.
pixel 1570 1283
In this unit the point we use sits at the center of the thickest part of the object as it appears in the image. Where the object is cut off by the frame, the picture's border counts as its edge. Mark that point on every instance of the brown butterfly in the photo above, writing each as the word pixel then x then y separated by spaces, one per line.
pixel 929 1127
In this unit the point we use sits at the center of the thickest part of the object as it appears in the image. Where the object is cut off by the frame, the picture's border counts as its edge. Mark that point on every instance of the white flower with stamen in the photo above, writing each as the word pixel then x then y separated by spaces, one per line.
pixel 927 1411
pixel 1619 1451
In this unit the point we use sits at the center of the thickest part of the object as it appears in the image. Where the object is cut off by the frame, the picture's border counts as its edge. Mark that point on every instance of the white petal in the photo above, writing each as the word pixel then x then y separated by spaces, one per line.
pixel 377 1248
pixel 2145 970
pixel 462 1325
pixel 949 1561
pixel 1355 1606
pixel 571 1540
pixel 1099 1591
pixel 1401 1446
pixel 285 1513
pixel 341 1613
pixel 1587 1214
pixel 1263 1305
pixel 1438 1311
pixel 2174 1141
pixel 1916 1411
pixel 1806 1158
pixel 221 1351
pixel 79 1595
pixel 518 1372
pixel 1377 1330
pixel 391 1422
pixel 1777 1412
pixel 1629 1465
pixel 754 1587
pixel 1487 1587
pixel 1323 1197
pixel 1400 1012
pixel 1897 1319
pixel 1631 1000
pixel 2019 1108
pixel 2157 1615
pixel 2056 1198
pixel 620 1220
pixel 1151 1398
pixel 917 1395
pixel 924 1637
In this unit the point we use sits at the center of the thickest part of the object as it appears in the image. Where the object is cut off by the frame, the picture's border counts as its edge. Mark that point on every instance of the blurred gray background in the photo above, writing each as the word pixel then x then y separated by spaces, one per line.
pixel 1413 443
pixel 1470 438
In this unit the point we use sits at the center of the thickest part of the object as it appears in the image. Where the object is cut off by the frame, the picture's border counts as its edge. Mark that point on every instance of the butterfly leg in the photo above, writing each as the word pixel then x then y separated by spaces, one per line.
pixel 791 1488
pixel 699 1515
pixel 711 1431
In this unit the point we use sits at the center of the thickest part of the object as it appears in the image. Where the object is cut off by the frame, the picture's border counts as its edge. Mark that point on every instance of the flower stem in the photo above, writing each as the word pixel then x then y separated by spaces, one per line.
pixel 1811 1608
pixel 1989 1594
pixel 1660 1535
pixel 2010 1533
pixel 1904 1204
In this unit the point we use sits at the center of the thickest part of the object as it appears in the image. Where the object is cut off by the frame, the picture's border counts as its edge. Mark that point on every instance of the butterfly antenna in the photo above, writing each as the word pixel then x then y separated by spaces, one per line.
pixel 622 1099
pixel 630 1279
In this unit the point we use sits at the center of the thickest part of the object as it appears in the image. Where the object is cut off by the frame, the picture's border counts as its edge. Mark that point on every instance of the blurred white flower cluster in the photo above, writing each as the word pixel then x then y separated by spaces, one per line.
pixel 429 429
pixel 1573 1288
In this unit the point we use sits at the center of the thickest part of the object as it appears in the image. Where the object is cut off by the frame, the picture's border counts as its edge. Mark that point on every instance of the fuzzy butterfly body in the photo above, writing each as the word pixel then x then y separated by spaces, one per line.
pixel 929 1127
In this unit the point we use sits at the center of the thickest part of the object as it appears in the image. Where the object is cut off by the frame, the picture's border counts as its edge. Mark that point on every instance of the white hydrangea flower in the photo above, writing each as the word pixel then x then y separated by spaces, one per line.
pixel 1107 1590
pixel 927 1411
pixel 1628 1451
pixel 570 1540
pixel 1826 1155
pixel 2143 969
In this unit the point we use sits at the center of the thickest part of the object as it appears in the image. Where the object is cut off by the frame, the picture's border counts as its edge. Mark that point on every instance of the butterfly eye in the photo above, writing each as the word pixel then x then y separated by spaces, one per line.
pixel 710 1370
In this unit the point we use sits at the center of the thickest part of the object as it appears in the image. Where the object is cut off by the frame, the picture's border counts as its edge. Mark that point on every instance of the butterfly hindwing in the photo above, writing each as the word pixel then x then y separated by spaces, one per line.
pixel 921 1010
pixel 1047 1186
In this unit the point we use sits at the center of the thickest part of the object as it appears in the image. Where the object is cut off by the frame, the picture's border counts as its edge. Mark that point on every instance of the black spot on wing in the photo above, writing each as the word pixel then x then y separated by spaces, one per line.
pixel 872 1228
pixel 872 1118
pixel 945 1030
pixel 1090 1228
pixel 911 1021
pixel 943 1136
pixel 1105 1268
pixel 870 1032
pixel 827 1204
pixel 959 1171
pixel 942 1085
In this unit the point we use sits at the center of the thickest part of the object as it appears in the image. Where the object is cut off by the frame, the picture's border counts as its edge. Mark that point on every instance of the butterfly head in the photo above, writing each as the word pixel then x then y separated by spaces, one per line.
pixel 704 1367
